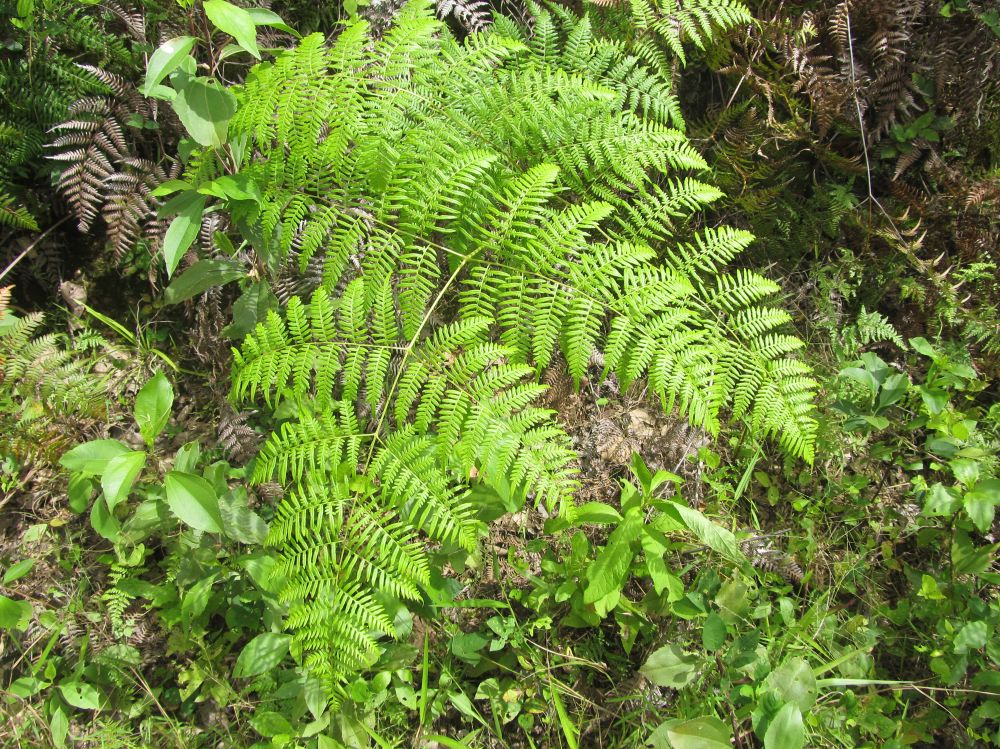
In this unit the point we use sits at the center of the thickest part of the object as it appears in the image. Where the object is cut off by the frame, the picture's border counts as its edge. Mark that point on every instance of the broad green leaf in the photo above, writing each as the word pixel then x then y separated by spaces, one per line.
pixel 972 636
pixel 654 547
pixel 195 599
pixel 698 733
pixel 80 694
pixel 264 17
pixel 251 308
pixel 59 726
pixel 193 501
pixel 713 633
pixel 261 654
pixel 232 187
pixel 713 535
pixel 205 107
pixel 165 60
pixel 152 407
pixel 170 187
pixel 27 686
pixel 92 457
pixel 893 389
pixel 596 512
pixel 236 22
pixel 981 510
pixel 941 501
pixel 670 667
pixel 793 681
pixel 200 277
pixel 607 573
pixel 183 230
pixel 120 474
pixel 786 731
pixel 270 724
pixel 186 459
pixel 103 521
pixel 14 614
pixel 18 570
pixel 239 521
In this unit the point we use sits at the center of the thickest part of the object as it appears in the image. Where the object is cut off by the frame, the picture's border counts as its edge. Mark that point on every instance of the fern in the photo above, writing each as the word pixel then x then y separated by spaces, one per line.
pixel 482 210
pixel 48 386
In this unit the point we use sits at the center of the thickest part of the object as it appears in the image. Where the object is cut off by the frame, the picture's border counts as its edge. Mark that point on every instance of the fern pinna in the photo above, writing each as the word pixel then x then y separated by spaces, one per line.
pixel 483 210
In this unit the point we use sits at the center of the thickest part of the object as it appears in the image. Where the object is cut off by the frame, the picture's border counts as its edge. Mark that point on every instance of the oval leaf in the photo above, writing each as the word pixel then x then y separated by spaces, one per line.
pixel 193 500
pixel 165 60
pixel 786 731
pixel 236 22
pixel 92 457
pixel 81 695
pixel 670 667
pixel 261 654
pixel 183 230
pixel 205 108
pixel 200 277
pixel 152 407
pixel 119 476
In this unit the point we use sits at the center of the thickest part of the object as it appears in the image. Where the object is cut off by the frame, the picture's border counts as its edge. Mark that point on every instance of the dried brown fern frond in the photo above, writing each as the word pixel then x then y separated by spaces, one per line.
pixel 472 15
pixel 92 143
pixel 238 440
pixel 134 20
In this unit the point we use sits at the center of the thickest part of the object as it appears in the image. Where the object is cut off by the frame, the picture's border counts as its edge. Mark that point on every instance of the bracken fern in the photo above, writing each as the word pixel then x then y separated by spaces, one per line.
pixel 483 210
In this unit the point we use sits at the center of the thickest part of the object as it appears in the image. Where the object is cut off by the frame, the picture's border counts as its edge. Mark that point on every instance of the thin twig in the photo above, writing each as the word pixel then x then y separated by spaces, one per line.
pixel 32 246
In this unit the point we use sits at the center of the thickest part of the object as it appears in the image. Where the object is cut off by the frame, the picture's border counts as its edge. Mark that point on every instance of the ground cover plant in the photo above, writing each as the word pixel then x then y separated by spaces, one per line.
pixel 498 374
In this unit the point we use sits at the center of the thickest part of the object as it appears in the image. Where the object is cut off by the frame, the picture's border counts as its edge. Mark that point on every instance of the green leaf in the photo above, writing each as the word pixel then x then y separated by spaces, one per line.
pixel 165 60
pixel 981 510
pixel 203 275
pixel 251 308
pixel 972 636
pixel 18 570
pixel 152 407
pixel 893 389
pixel 92 457
pixel 264 17
pixel 103 521
pixel 14 614
pixel 698 733
pixel 170 187
pixel 205 107
pixel 467 646
pixel 607 573
pixel 80 694
pixel 713 535
pixel 193 500
pixel 596 512
pixel 239 521
pixel 195 599
pixel 670 667
pixel 941 501
pixel 120 474
pixel 794 682
pixel 59 726
pixel 270 723
pixel 713 634
pixel 786 731
pixel 232 187
pixel 261 654
pixel 236 22
pixel 183 229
